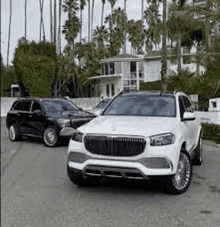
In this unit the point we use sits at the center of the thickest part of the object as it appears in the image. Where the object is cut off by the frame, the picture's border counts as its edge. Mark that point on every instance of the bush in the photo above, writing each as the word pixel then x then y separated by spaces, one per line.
pixel 211 132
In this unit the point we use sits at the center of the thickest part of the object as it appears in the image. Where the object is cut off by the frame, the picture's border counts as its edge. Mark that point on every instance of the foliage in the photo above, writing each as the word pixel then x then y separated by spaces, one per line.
pixel 211 132
pixel 35 64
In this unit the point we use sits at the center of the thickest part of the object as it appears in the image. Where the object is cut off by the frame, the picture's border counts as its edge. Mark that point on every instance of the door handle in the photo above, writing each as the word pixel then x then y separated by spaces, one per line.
pixel 18 115
pixel 30 115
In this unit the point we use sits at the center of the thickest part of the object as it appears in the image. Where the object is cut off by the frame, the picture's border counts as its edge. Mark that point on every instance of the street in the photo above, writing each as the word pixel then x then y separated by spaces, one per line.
pixel 35 191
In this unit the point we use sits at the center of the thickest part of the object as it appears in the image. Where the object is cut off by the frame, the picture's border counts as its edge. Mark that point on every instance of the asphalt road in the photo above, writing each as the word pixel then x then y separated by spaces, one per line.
pixel 35 191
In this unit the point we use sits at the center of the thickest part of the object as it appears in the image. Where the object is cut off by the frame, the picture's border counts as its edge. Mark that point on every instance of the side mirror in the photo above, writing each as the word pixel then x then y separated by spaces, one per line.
pixel 188 116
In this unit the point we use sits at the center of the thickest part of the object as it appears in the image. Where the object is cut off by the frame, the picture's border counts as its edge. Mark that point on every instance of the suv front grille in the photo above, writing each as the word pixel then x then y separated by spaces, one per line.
pixel 114 146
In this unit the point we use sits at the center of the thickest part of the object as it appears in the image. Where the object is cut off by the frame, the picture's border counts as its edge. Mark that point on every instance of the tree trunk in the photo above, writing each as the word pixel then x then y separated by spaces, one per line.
pixel 51 22
pixel 93 1
pixel 164 49
pixel 25 16
pixel 102 14
pixel 80 33
pixel 179 55
pixel 59 32
pixel 88 20
pixel 9 32
pixel 142 10
pixel 55 22
pixel 124 48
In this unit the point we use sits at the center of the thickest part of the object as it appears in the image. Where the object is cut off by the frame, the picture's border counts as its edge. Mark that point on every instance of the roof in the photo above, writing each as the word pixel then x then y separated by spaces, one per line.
pixel 121 57
pixel 151 92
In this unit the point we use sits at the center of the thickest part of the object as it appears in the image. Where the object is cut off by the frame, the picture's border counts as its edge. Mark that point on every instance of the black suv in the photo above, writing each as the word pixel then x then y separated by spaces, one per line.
pixel 44 118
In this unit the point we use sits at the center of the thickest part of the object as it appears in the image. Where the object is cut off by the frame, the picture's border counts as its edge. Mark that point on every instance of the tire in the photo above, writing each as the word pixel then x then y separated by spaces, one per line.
pixel 78 178
pixel 180 182
pixel 50 137
pixel 197 160
pixel 14 133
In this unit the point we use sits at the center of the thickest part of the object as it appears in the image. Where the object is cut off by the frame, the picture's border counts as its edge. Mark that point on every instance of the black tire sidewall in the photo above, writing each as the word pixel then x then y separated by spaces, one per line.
pixel 56 134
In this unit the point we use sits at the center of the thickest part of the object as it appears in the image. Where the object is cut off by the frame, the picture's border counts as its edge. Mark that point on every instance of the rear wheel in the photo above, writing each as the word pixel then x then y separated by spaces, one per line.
pixel 14 134
pixel 50 137
pixel 179 183
pixel 197 160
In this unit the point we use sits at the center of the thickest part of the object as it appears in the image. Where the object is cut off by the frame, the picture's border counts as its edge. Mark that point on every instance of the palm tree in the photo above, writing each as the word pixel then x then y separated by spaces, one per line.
pixel 102 14
pixel 93 2
pixel 25 18
pixel 124 49
pixel 82 5
pixel 9 31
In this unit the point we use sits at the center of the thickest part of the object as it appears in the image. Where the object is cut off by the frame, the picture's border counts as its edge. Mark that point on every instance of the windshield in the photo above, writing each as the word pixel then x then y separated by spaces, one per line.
pixel 103 104
pixel 142 105
pixel 58 105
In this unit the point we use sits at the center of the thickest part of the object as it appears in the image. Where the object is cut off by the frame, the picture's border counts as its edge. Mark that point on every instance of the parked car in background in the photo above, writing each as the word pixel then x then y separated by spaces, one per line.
pixel 97 110
pixel 44 118
pixel 140 135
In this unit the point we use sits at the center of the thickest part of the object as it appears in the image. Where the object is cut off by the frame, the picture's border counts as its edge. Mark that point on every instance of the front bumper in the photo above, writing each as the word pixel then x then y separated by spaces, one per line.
pixel 154 161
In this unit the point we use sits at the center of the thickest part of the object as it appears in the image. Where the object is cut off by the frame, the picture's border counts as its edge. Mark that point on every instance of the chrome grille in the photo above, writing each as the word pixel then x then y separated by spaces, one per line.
pixel 114 146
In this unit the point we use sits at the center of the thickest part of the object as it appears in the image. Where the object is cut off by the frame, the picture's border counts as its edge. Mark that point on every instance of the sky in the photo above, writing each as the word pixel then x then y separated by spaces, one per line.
pixel 33 20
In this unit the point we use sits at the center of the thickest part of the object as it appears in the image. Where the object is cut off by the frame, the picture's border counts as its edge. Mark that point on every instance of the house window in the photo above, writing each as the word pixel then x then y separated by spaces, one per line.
pixel 214 104
pixel 186 60
pixel 106 68
pixel 103 69
pixel 112 68
pixel 107 90
pixel 173 61
pixel 113 89
pixel 118 67
pixel 141 71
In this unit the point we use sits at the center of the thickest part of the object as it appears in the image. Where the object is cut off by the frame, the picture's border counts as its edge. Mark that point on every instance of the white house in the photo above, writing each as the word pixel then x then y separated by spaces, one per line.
pixel 128 72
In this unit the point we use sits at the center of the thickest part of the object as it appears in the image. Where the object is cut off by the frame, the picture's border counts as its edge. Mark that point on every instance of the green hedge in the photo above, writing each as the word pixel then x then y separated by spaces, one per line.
pixel 211 132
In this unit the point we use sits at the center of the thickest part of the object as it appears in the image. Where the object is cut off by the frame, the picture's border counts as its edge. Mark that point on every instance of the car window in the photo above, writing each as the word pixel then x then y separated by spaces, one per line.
pixel 182 109
pixel 36 106
pixel 27 106
pixel 58 105
pixel 187 104
pixel 142 105
pixel 18 106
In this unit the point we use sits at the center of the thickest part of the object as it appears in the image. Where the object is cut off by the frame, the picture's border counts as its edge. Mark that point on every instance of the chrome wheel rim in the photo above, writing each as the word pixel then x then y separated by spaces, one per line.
pixel 12 132
pixel 182 177
pixel 50 137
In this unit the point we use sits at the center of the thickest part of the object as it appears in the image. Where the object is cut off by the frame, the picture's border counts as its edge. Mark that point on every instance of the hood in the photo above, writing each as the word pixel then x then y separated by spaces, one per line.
pixel 130 125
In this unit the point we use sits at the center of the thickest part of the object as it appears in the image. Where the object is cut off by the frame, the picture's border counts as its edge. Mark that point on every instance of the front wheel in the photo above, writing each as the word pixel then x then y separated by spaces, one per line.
pixel 50 137
pixel 179 183
pixel 14 134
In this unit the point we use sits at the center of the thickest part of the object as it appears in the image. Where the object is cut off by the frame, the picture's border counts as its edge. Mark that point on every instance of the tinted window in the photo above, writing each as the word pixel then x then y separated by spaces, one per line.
pixel 58 105
pixel 27 106
pixel 142 105
pixel 18 106
pixel 36 106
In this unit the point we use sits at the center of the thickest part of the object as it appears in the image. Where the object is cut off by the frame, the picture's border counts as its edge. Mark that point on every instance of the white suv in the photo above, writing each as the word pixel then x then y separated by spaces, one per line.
pixel 140 135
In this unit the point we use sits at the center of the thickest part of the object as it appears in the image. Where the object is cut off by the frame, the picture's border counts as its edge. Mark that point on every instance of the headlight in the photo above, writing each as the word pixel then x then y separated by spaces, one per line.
pixel 64 122
pixel 77 136
pixel 162 139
